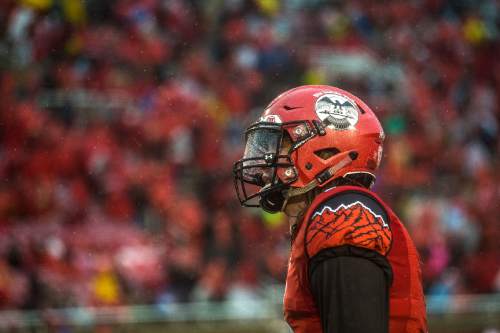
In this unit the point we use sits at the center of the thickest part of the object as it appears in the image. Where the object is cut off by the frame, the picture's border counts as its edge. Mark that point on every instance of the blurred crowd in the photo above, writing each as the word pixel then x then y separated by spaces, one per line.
pixel 120 121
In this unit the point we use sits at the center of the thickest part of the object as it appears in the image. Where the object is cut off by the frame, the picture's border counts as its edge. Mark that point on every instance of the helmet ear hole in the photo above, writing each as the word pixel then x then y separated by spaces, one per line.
pixel 326 153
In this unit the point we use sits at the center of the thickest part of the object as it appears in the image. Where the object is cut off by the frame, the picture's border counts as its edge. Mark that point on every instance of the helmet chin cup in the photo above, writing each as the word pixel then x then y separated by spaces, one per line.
pixel 273 201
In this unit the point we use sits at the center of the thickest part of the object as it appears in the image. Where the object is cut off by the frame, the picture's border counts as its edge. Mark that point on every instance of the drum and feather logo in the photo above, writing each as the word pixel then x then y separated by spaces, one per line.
pixel 337 111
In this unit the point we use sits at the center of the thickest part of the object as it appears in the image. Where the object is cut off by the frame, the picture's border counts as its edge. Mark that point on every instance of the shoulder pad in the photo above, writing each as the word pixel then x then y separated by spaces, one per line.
pixel 349 218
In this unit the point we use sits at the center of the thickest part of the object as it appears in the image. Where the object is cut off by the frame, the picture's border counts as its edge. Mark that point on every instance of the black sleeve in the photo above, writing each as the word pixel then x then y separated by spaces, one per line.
pixel 350 286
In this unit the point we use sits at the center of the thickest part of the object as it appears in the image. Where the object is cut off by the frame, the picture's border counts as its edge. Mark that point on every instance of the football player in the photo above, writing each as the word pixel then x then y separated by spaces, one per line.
pixel 353 268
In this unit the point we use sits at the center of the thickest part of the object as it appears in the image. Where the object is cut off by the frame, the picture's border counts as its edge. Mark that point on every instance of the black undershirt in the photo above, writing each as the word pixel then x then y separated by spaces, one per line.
pixel 350 286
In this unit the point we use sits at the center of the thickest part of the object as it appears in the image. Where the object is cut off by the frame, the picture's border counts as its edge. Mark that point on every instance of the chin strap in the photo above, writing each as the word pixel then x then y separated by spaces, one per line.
pixel 321 178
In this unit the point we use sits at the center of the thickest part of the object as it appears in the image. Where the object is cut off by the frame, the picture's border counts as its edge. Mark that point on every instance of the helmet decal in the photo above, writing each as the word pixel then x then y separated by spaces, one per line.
pixel 337 111
pixel 270 118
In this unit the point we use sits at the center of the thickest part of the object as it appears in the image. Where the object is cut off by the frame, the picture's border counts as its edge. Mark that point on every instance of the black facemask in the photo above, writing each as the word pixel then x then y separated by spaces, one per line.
pixel 256 174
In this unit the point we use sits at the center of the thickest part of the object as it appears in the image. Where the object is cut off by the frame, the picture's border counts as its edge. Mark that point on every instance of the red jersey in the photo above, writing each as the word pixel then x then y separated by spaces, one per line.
pixel 367 223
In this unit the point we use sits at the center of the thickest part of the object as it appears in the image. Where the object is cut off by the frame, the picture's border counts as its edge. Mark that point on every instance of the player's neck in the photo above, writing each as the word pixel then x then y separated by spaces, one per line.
pixel 295 210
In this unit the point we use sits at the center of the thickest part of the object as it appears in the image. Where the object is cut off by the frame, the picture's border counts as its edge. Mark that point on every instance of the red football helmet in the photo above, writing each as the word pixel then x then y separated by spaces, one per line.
pixel 306 138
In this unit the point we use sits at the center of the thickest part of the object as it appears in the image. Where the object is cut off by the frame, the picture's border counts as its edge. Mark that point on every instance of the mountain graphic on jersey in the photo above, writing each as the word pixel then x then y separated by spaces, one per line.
pixel 354 224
